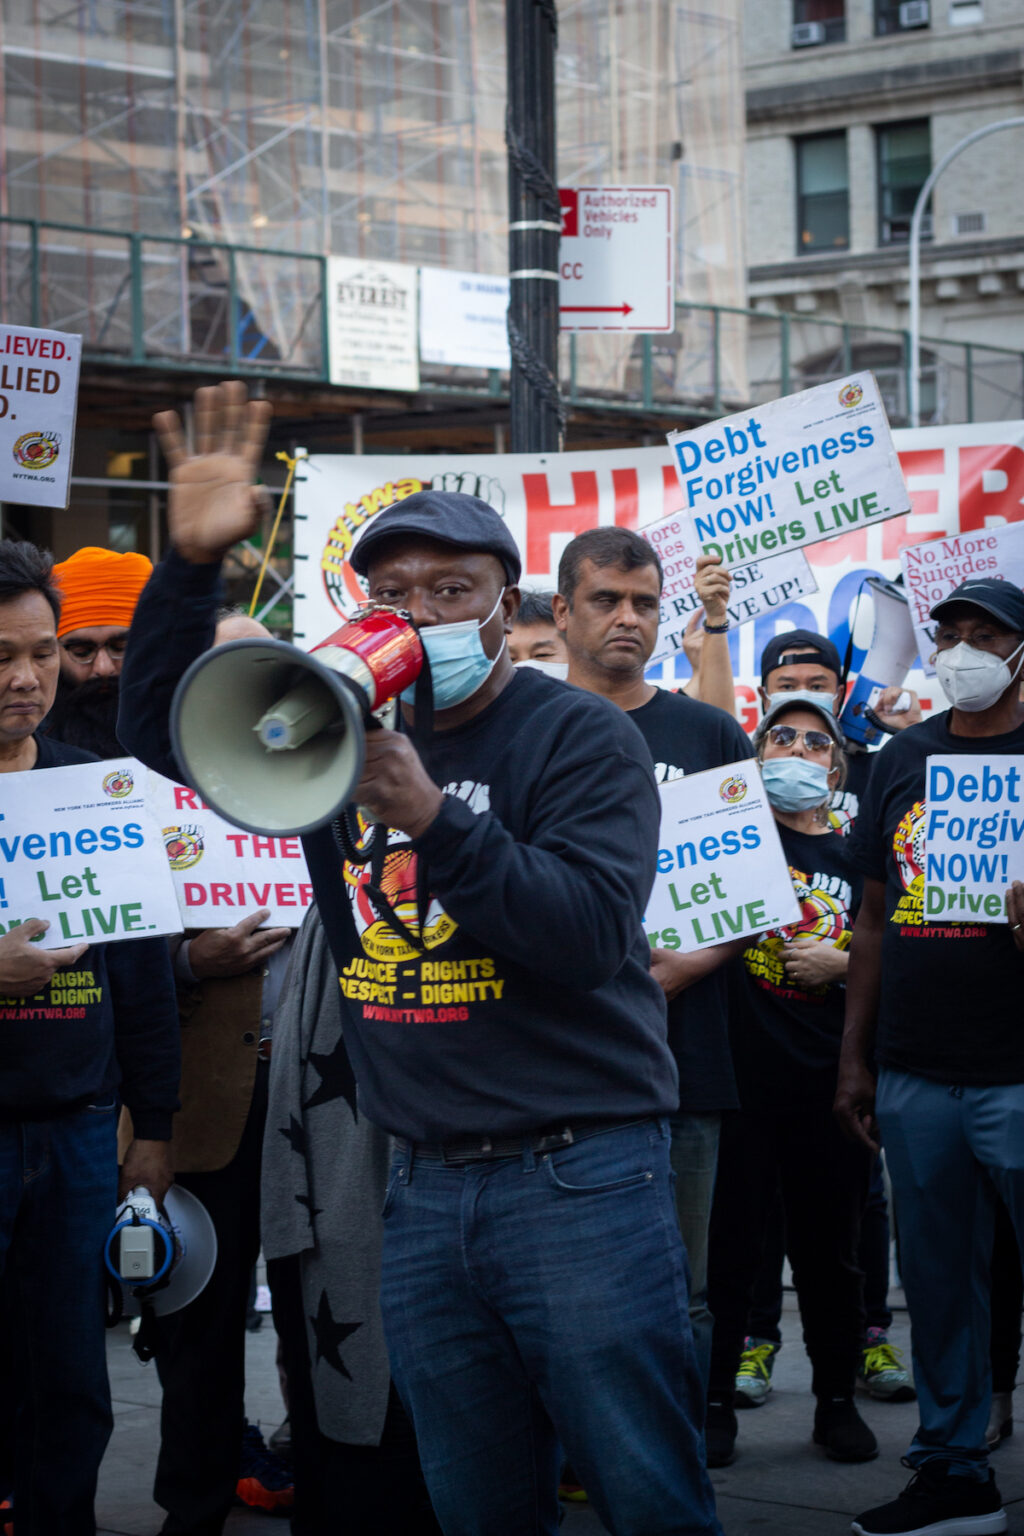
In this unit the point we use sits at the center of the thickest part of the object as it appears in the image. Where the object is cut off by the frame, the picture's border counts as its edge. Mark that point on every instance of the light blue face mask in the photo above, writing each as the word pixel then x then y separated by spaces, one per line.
pixel 794 784
pixel 459 665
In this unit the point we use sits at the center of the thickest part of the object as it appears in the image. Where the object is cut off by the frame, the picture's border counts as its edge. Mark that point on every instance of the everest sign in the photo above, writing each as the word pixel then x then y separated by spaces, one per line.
pixel 616 259
pixel 792 472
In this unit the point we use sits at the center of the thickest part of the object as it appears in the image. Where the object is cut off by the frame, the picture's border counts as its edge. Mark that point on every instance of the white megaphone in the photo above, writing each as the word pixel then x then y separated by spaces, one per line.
pixel 274 738
pixel 161 1259
pixel 890 656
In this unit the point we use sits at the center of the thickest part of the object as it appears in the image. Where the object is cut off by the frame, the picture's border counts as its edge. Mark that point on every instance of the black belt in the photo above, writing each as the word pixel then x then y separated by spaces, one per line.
pixel 484 1149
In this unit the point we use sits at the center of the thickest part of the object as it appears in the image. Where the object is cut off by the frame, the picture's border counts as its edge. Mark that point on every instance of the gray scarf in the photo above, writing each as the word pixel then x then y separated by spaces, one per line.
pixel 325 1172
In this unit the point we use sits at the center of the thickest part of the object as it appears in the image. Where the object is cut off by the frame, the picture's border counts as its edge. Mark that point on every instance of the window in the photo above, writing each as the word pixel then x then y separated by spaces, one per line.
pixel 818 21
pixel 904 165
pixel 900 16
pixel 823 194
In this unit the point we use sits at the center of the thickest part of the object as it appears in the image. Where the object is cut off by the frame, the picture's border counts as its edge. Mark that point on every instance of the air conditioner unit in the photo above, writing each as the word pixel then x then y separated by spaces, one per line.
pixel 808 34
pixel 968 223
pixel 914 13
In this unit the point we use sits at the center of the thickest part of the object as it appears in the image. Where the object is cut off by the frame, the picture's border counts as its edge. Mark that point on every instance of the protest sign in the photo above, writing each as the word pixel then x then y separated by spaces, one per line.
pixel 960 478
pixel 222 874
pixel 756 588
pixel 932 570
pixel 721 871
pixel 38 398
pixel 791 472
pixel 372 323
pixel 974 836
pixel 79 849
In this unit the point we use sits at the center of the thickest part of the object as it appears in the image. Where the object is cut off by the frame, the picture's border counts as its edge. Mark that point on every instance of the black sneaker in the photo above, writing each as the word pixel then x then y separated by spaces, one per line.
pixel 937 1503
pixel 841 1430
pixel 720 1432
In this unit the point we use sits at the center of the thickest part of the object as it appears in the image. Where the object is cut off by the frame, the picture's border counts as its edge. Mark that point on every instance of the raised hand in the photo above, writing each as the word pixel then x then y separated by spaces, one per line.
pixel 213 502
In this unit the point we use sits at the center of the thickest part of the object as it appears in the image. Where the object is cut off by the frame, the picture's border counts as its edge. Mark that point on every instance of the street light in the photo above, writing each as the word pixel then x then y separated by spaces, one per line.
pixel 915 255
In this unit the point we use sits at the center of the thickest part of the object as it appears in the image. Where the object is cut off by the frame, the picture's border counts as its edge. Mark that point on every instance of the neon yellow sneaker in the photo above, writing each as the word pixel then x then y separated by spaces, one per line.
pixel 754 1377
pixel 882 1373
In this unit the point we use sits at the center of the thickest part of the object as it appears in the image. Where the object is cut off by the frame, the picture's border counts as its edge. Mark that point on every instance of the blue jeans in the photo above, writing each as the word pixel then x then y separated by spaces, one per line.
pixel 948 1150
pixel 58 1192
pixel 694 1155
pixel 538 1299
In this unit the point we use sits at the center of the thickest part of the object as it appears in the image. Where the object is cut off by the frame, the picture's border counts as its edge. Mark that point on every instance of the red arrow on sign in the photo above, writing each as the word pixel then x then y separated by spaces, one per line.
pixel 595 309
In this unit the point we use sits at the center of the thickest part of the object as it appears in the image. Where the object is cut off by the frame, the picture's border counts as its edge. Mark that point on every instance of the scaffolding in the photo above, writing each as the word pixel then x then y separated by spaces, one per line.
pixel 367 128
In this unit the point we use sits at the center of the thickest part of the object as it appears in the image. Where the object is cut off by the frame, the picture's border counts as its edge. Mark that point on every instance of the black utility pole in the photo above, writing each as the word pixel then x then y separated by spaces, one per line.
pixel 535 222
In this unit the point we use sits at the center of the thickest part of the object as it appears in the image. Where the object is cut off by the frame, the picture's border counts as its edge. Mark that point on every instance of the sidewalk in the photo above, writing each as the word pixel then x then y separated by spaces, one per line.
pixel 779 1485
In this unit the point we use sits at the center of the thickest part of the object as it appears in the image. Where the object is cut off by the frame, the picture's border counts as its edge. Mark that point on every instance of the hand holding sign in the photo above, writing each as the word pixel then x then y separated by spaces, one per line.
pixel 233 951
pixel 213 502
pixel 24 967
pixel 712 583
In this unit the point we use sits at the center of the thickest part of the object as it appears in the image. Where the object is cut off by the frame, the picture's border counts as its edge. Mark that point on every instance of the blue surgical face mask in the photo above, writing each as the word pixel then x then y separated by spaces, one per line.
pixel 459 665
pixel 794 783
pixel 803 696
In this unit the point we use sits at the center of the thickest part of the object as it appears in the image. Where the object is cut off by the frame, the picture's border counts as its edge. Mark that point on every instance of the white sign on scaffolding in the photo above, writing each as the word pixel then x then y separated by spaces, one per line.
pixel 372 323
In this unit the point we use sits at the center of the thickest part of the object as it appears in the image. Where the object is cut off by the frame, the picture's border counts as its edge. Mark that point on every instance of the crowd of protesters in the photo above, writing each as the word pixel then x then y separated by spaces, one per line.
pixel 534 1244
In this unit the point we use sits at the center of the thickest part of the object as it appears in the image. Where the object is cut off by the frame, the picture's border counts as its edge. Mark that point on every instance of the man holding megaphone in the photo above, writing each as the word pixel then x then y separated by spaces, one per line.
pixel 499 1009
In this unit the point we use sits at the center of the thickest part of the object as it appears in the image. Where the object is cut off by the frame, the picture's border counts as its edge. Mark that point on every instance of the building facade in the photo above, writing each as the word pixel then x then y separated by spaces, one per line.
pixel 849 106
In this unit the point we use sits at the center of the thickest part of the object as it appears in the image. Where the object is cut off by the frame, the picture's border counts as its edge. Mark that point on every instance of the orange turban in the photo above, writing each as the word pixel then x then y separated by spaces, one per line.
pixel 99 587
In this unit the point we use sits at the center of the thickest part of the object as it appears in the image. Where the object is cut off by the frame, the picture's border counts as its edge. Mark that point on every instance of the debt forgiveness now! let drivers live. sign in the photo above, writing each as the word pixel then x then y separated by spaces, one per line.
pixel 79 849
pixel 721 871
pixel 792 472
pixel 974 837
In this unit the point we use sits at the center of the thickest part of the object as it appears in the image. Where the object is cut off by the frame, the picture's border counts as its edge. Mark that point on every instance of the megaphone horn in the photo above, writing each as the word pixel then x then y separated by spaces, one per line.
pixel 889 658
pixel 274 737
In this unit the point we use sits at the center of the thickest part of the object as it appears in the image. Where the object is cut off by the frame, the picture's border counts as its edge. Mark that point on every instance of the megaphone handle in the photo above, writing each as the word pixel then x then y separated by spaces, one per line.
pixel 878 723
pixel 346 835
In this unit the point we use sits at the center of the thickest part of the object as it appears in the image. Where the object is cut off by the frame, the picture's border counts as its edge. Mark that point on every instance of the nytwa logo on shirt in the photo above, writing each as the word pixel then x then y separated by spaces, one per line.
pixel 477 796
pixel 398 885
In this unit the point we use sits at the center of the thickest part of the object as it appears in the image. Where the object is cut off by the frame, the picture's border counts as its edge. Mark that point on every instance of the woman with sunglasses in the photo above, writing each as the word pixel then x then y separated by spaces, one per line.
pixel 786 1021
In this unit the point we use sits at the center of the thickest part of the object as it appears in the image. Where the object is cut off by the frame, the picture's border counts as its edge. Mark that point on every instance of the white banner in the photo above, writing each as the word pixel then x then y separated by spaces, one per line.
pixel 38 400
pixel 79 849
pixel 974 837
pixel 960 479
pixel 791 472
pixel 222 874
pixel 722 873
pixel 756 588
pixel 372 323
pixel 932 570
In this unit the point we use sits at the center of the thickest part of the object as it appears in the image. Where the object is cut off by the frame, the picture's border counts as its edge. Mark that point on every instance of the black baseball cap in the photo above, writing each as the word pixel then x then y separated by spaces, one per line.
pixel 800 646
pixel 1004 600
pixel 451 517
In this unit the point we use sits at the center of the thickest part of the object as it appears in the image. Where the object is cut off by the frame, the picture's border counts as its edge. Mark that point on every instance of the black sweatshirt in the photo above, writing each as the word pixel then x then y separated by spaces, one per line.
pixel 950 1001
pixel 532 1004
pixel 108 1024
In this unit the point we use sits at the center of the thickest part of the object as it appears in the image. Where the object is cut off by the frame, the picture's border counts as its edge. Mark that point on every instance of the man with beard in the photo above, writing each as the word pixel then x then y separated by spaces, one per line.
pixel 100 590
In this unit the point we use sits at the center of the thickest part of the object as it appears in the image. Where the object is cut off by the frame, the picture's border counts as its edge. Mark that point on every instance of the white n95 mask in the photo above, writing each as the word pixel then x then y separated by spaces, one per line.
pixel 974 680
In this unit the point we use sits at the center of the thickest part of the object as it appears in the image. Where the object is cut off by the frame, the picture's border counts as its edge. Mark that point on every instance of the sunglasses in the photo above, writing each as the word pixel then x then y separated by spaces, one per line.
pixel 785 735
